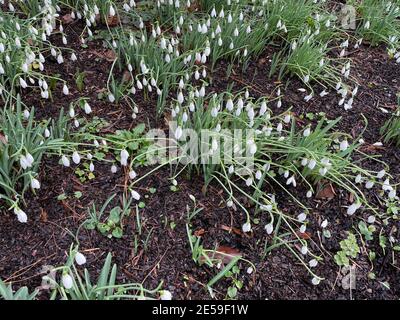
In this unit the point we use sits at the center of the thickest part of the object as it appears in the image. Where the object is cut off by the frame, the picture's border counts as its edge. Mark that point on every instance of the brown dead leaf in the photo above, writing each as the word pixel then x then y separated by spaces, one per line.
pixel 67 19
pixel 351 197
pixel 199 233
pixel 304 235
pixel 226 254
pixel 327 192
pixel 113 21
pixel 43 215
pixel 3 139
pixel 371 148
pixel 127 76
pixel 108 55
pixel 232 230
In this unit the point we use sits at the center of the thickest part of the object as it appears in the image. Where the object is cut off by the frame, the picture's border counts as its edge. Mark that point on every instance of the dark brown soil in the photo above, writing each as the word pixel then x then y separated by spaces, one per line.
pixel 46 238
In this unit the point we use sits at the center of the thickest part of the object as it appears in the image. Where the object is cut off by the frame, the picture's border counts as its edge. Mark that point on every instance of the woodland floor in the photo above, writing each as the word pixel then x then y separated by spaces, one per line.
pixel 46 238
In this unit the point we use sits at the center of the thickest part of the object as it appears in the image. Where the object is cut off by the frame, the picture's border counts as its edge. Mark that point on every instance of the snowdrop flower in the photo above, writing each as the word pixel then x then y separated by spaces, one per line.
pixel 180 97
pixel 246 227
pixel 392 194
pixel 308 97
pixel 76 158
pixel 91 167
pixel 323 93
pixel 307 132
pixel 65 90
pixel 323 171
pixel 135 195
pixel 21 215
pixel 111 98
pixel 35 184
pixel 26 114
pixel 65 161
pixel 114 169
pixel 112 11
pixel 302 217
pixel 315 281
pixel 132 174
pixel 386 185
pixel 358 178
pixel 353 208
pixel 303 228
pixel 80 259
pixel 124 157
pixel 367 25
pixel 67 281
pixel 87 108
pixel 313 263
pixel 23 162
pixel 343 145
pixel 46 133
pixel 249 270
pixel 304 250
pixel 249 181
pixel 324 224
pixel 178 133
pixel 309 194
pixel 381 174
pixel 269 228
pixel 371 219
pixel 60 59
pixel 312 164
pixel 165 295
pixel 369 184
pixel 292 181
pixel 229 105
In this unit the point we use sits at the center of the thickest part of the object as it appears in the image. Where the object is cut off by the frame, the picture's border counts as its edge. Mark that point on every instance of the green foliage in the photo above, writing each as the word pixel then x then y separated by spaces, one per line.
pixel 21 139
pixel 112 226
pixel 104 288
pixel 366 231
pixel 349 249
pixel 391 128
pixel 379 22
pixel 7 293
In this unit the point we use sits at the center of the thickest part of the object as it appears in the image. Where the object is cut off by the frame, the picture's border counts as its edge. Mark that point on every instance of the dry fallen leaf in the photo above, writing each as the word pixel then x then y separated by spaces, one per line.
pixel 199 233
pixel 127 76
pixel 232 229
pixel 3 139
pixel 113 21
pixel 304 235
pixel 226 254
pixel 327 192
pixel 67 18
pixel 109 55
pixel 43 215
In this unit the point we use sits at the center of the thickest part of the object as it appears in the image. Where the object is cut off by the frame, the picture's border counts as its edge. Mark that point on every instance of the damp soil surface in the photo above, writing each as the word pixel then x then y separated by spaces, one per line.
pixel 161 250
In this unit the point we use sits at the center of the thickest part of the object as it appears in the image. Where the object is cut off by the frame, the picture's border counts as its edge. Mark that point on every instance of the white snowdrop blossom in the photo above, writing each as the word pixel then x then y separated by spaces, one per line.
pixel 124 157
pixel 76 158
pixel 80 259
pixel 269 228
pixel 35 184
pixel 67 281
pixel 21 215
pixel 353 208
pixel 165 295
pixel 135 195
pixel 246 227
